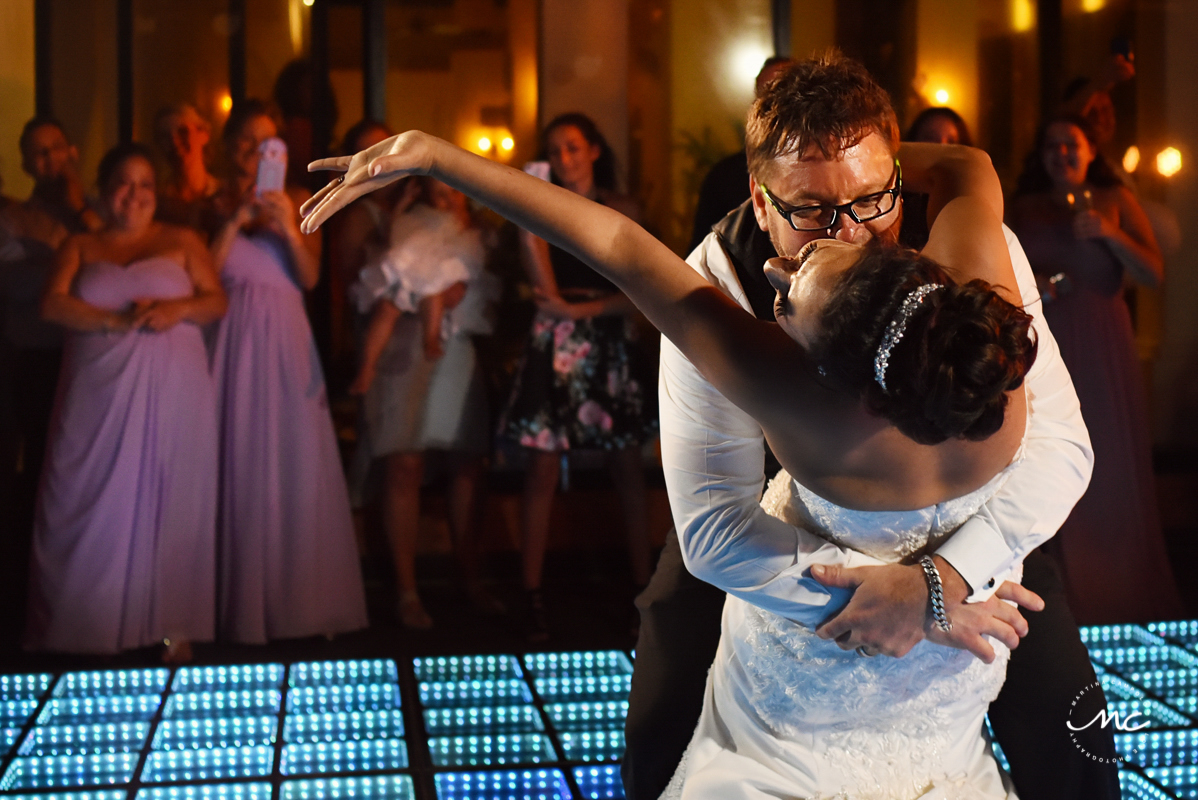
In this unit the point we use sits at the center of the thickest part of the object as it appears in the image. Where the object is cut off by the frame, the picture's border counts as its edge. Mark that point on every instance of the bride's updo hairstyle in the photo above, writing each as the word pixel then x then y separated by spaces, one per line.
pixel 962 348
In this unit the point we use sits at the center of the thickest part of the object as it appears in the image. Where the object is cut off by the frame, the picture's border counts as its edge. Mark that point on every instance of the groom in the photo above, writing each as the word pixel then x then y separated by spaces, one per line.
pixel 834 101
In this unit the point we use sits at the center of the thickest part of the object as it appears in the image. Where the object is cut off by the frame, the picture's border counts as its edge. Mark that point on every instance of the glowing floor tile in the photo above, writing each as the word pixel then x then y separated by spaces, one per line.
pixel 466 668
pixel 1125 660
pixel 591 688
pixel 592 745
pixel 1116 688
pixel 599 783
pixel 1159 748
pixel 451 694
pixel 490 751
pixel 1183 633
pixel 55 772
pixel 69 740
pixel 203 705
pixel 167 766
pixel 338 673
pixel 539 784
pixel 599 716
pixel 327 699
pixel 484 719
pixel 1134 787
pixel 1099 637
pixel 343 726
pixel 217 733
pixel 211 791
pixel 228 679
pixel 578 665
pixel 24 687
pixel 1186 705
pixel 15 713
pixel 1181 781
pixel 110 682
pixel 101 794
pixel 329 757
pixel 96 710
pixel 386 787
pixel 1150 713
pixel 8 737
pixel 1167 683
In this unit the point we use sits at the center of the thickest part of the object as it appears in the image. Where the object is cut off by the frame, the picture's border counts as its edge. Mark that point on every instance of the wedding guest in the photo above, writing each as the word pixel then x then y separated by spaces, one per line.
pixel 182 137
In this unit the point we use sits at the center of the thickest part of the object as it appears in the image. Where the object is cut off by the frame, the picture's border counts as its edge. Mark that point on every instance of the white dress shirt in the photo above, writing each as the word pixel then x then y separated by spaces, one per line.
pixel 713 455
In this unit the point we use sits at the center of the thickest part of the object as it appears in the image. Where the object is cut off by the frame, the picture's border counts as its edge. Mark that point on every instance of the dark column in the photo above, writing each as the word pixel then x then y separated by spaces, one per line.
pixel 43 76
pixel 781 24
pixel 374 59
pixel 124 69
pixel 322 132
pixel 237 50
pixel 1050 30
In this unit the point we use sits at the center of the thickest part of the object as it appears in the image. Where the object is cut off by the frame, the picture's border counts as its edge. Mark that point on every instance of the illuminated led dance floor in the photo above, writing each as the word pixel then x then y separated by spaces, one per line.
pixel 546 726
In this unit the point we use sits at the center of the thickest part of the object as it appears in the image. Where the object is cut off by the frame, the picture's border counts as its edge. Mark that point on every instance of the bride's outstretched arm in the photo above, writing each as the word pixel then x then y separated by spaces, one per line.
pixel 740 355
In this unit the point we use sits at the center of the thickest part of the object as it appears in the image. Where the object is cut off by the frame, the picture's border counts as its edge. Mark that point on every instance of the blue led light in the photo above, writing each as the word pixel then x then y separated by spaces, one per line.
pixel 482 719
pixel 592 688
pixel 361 697
pixel 539 784
pixel 1186 705
pixel 1134 787
pixel 337 673
pixel 15 713
pixel 24 687
pixel 101 794
pixel 114 737
pixel 1154 713
pixel 1144 659
pixel 1097 637
pixel 110 682
pixel 450 694
pixel 1167 683
pixel 329 757
pixel 386 787
pixel 96 710
pixel 1182 781
pixel 8 737
pixel 216 733
pixel 599 783
pixel 228 679
pixel 1115 688
pixel 52 772
pixel 1159 748
pixel 578 665
pixel 167 766
pixel 211 791
pixel 465 668
pixel 592 745
pixel 588 716
pixel 1183 633
pixel 201 705
pixel 490 751
pixel 343 726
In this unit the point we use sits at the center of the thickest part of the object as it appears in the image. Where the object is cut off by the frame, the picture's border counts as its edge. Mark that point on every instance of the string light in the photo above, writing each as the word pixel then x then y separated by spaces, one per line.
pixel 484 143
pixel 1168 162
pixel 507 143
pixel 942 97
pixel 1131 159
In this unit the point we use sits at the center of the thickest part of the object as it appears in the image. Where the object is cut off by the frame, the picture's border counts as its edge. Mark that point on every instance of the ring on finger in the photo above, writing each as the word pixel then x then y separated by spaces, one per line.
pixel 341 179
pixel 866 652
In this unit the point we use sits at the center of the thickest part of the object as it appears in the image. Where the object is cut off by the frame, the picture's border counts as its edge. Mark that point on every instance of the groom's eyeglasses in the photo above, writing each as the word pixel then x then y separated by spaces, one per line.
pixel 863 209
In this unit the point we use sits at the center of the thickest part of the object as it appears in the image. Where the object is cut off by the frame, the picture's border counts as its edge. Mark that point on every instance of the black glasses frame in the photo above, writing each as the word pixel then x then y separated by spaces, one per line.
pixel 845 208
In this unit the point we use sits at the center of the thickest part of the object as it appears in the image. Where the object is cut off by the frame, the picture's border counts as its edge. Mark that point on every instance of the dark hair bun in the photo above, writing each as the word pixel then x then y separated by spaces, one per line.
pixel 963 348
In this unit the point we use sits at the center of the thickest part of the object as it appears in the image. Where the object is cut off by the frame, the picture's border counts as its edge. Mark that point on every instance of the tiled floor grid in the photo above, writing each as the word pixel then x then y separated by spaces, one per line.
pixel 544 726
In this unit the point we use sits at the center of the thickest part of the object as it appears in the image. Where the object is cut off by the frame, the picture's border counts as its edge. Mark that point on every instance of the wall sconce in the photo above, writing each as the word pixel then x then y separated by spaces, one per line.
pixel 1168 162
pixel 941 97
pixel 1131 159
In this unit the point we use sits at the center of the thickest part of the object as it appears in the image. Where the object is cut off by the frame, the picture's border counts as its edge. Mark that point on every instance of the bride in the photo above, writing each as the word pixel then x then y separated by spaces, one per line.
pixel 890 391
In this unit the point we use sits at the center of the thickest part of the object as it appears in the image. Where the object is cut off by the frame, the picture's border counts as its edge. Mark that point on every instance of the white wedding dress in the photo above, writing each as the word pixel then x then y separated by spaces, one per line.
pixel 787 714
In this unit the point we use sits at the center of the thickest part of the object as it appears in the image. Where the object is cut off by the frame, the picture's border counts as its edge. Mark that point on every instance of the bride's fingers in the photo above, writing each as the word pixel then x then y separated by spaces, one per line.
pixel 316 199
pixel 338 164
pixel 391 165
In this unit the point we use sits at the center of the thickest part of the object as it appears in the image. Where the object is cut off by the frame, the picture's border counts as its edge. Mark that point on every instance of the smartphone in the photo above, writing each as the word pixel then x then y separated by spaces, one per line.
pixel 272 165
pixel 538 169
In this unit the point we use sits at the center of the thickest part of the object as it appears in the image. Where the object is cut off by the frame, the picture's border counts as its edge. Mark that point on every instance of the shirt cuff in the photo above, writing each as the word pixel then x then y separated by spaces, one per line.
pixel 978 553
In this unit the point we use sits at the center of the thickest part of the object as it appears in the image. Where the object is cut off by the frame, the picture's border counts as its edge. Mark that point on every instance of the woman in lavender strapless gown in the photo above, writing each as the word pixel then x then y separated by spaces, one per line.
pixel 124 548
pixel 288 559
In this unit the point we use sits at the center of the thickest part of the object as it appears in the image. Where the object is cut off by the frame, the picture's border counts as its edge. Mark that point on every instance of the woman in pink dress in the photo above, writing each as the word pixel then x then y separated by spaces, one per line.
pixel 1086 237
pixel 124 549
pixel 288 560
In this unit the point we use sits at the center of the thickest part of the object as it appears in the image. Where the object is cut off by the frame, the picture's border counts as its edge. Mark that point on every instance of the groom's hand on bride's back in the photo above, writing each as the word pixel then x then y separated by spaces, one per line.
pixel 890 612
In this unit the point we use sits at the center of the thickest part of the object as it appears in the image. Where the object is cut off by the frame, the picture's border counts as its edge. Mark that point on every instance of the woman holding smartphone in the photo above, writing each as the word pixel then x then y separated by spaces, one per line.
pixel 288 558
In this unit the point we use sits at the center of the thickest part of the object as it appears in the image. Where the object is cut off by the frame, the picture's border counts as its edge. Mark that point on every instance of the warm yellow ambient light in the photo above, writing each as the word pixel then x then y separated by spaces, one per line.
pixel 1131 159
pixel 484 143
pixel 1093 5
pixel 1168 162
pixel 1023 15
pixel 226 102
pixel 309 3
pixel 507 143
pixel 942 97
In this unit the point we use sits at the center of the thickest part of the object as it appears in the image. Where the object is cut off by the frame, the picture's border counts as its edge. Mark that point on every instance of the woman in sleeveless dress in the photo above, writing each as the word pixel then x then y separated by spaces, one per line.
pixel 288 558
pixel 124 548
pixel 890 392
pixel 1086 236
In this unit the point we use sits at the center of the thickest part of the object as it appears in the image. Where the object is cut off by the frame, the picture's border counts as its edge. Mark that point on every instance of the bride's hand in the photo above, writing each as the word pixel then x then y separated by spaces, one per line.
pixel 409 153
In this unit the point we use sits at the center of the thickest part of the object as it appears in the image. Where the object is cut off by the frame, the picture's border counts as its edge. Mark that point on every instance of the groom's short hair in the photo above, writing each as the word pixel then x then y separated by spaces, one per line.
pixel 830 102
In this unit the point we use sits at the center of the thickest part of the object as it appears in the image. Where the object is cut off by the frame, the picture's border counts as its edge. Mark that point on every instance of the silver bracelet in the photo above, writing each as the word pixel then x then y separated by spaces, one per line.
pixel 936 593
